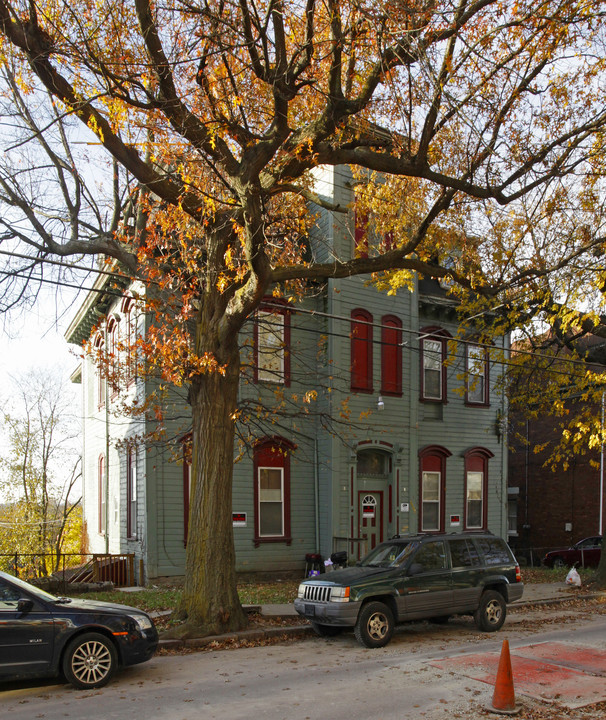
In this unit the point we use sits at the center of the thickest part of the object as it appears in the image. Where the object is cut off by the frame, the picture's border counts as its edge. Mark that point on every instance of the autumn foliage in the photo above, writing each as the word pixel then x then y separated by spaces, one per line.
pixel 467 125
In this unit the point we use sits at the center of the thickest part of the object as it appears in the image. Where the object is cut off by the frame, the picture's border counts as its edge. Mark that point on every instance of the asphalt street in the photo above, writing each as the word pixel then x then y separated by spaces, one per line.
pixel 311 679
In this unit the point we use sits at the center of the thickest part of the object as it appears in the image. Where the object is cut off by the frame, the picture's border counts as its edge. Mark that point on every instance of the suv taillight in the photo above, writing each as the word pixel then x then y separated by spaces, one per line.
pixel 518 574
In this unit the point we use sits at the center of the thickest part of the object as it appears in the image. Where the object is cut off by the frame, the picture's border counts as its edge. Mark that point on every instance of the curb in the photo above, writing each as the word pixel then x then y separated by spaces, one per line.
pixel 558 600
pixel 251 635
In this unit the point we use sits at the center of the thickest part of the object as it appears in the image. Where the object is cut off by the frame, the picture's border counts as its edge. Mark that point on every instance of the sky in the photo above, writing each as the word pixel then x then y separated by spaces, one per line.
pixel 36 340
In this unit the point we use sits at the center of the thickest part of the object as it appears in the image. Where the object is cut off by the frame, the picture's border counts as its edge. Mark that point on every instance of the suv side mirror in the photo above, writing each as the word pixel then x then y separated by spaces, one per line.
pixel 24 605
pixel 415 569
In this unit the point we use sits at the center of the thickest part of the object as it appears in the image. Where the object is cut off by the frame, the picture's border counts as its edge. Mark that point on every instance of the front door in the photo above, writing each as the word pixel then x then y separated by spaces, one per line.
pixel 370 514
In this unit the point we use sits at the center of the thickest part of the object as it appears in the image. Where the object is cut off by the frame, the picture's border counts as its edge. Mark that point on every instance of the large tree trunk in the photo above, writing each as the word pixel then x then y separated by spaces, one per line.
pixel 210 603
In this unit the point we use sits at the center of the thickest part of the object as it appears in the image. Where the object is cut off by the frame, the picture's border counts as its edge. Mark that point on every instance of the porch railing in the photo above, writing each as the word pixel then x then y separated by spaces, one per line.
pixel 69 568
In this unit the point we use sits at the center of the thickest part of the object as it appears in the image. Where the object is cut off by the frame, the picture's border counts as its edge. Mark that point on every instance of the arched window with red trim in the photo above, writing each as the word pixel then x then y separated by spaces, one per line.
pixel 272 342
pixel 432 487
pixel 476 373
pixel 101 485
pixel 101 370
pixel 113 360
pixel 360 235
pixel 391 355
pixel 434 346
pixel 272 490
pixel 129 311
pixel 476 487
pixel 131 492
pixel 361 350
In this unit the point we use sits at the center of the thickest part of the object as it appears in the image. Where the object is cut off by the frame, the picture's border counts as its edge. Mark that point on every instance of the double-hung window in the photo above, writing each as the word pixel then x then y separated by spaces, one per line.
pixel 272 490
pixel 432 466
pixel 131 492
pixel 476 483
pixel 272 338
pixel 433 364
pixel 477 375
pixel 102 495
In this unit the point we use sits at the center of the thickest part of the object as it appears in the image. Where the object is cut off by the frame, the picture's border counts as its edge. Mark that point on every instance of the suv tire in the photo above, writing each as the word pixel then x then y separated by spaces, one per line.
pixel 326 630
pixel 491 611
pixel 375 625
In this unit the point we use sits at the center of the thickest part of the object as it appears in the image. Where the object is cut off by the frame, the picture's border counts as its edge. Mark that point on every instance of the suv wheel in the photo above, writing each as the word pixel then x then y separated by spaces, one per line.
pixel 491 612
pixel 326 630
pixel 375 625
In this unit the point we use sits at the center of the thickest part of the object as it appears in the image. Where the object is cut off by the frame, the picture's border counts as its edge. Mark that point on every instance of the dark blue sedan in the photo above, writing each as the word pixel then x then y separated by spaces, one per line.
pixel 85 640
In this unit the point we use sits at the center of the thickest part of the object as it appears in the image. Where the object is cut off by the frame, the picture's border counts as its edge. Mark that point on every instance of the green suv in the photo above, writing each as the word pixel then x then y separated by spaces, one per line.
pixel 415 578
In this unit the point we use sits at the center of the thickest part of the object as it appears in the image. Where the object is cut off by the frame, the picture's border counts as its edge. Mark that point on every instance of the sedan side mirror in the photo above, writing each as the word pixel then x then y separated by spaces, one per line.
pixel 24 605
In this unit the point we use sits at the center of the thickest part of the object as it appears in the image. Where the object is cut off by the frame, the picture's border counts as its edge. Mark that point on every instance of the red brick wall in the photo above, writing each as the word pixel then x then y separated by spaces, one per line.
pixel 548 499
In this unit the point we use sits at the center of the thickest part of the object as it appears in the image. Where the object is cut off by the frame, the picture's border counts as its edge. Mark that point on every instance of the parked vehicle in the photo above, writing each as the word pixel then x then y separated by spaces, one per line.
pixel 586 553
pixel 85 640
pixel 412 578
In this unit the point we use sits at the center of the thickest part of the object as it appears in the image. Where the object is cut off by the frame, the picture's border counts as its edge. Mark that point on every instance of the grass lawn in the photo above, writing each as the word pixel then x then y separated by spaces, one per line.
pixel 156 599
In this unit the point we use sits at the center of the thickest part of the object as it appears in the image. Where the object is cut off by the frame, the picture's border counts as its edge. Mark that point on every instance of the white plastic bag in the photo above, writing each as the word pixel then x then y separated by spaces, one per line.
pixel 573 578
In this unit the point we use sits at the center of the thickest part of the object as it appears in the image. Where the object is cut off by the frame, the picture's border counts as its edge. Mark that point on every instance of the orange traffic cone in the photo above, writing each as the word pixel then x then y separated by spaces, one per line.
pixel 504 699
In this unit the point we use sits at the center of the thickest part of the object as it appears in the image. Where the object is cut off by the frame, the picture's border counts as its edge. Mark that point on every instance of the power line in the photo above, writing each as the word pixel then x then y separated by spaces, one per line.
pixel 420 335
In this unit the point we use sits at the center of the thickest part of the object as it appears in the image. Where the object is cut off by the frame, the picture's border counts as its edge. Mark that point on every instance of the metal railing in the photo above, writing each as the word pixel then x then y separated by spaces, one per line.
pixel 70 568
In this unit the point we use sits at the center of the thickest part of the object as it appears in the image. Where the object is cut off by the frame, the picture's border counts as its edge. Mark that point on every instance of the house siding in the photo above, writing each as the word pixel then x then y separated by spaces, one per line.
pixel 325 487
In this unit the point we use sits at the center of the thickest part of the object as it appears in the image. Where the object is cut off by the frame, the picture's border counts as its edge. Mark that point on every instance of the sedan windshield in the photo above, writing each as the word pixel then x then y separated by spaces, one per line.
pixel 31 589
pixel 388 555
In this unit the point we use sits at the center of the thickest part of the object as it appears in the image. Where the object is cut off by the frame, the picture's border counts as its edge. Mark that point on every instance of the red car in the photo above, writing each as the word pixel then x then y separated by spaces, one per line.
pixel 586 553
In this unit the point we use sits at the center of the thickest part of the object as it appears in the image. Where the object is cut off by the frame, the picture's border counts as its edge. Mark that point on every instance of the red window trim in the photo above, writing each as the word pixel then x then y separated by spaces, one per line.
pixel 113 360
pixel 101 494
pixel 477 458
pixel 360 235
pixel 361 242
pixel 278 306
pixel 277 450
pixel 99 356
pixel 129 309
pixel 442 336
pixel 361 350
pixel 391 356
pixel 485 402
pixel 433 458
pixel 131 532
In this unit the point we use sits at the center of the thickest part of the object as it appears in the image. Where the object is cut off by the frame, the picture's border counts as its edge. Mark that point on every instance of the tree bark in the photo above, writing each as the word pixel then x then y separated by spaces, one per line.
pixel 210 602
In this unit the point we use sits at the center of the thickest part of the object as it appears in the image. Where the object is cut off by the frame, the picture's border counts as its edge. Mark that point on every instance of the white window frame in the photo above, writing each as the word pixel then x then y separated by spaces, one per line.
pixel 430 355
pixel 476 375
pixel 260 501
pixel 271 333
pixel 468 499
pixel 437 503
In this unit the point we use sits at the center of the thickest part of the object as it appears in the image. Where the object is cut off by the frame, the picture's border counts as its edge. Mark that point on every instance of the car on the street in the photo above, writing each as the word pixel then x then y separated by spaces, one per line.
pixel 414 578
pixel 585 553
pixel 84 640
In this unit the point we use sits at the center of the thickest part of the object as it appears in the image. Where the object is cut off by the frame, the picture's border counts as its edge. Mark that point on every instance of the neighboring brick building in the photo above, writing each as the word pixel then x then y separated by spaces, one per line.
pixel 551 508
